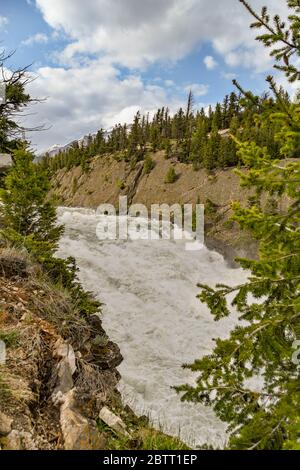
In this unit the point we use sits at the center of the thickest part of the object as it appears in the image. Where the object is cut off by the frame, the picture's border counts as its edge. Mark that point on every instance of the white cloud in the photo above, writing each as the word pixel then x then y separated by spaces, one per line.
pixel 3 21
pixel 229 75
pixel 169 83
pixel 210 62
pixel 38 38
pixel 83 99
pixel 198 89
pixel 85 95
pixel 136 33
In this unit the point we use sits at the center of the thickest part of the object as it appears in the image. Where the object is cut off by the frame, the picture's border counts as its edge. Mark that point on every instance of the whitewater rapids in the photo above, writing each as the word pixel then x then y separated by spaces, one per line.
pixel 150 310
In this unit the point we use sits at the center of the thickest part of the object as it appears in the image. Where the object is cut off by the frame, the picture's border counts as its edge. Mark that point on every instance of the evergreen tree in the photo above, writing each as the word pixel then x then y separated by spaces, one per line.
pixel 16 101
pixel 266 416
pixel 171 176
pixel 199 141
pixel 188 128
pixel 27 215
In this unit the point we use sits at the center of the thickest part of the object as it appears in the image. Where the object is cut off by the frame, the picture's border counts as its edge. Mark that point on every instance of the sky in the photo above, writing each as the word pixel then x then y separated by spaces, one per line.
pixel 97 62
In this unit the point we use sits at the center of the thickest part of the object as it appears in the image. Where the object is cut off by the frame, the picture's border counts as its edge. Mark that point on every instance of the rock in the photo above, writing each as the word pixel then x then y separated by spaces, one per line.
pixel 65 368
pixel 113 421
pixel 20 440
pixel 12 265
pixel 65 351
pixel 109 357
pixel 79 433
pixel 5 424
pixel 13 441
pixel 64 378
pixel 96 324
pixel 58 398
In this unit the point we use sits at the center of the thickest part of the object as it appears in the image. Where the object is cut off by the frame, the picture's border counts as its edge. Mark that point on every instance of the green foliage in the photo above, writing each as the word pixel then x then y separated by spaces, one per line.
pixel 28 219
pixel 74 186
pixel 171 176
pixel 28 216
pixel 283 38
pixel 10 338
pixel 260 348
pixel 120 184
pixel 143 438
pixel 16 101
pixel 149 164
pixel 200 138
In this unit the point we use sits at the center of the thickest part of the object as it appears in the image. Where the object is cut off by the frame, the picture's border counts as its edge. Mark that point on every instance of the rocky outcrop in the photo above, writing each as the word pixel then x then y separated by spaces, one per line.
pixel 113 421
pixel 79 432
pixel 110 177
pixel 102 185
pixel 53 385
pixel 5 424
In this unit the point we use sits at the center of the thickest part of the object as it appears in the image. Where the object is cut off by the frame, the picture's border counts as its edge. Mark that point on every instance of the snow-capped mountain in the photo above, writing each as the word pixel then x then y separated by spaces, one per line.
pixel 82 142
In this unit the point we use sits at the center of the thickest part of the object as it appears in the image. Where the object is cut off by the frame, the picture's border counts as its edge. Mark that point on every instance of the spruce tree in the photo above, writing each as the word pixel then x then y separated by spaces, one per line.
pixel 16 101
pixel 262 346
pixel 27 216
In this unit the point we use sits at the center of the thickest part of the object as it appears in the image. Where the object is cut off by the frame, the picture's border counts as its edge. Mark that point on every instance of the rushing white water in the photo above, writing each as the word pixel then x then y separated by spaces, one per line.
pixel 149 291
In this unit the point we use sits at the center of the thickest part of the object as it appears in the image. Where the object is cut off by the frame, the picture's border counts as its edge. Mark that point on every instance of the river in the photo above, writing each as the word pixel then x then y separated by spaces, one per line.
pixel 150 310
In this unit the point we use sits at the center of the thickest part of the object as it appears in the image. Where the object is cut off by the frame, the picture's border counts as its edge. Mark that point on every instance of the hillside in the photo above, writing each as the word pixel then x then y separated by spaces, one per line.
pixel 108 178
pixel 58 383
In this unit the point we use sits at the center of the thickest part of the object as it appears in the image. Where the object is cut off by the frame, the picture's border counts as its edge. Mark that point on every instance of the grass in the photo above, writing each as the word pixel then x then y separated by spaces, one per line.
pixel 146 439
pixel 142 434
pixel 13 388
pixel 156 440
pixel 56 306
pixel 142 438
pixel 5 392
pixel 10 338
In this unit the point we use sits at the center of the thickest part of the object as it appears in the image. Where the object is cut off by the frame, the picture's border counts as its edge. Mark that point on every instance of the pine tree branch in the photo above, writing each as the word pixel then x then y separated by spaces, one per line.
pixel 266 25
pixel 270 435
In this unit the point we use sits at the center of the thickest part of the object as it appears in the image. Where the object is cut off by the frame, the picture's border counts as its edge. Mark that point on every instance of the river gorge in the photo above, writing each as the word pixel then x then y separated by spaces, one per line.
pixel 150 309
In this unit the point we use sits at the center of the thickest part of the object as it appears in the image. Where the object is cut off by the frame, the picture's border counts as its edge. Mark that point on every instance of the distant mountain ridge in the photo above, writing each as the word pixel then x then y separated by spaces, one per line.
pixel 83 142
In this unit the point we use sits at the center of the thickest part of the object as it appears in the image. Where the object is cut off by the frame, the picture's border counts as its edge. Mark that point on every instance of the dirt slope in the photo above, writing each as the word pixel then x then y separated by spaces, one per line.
pixel 108 178
pixel 103 183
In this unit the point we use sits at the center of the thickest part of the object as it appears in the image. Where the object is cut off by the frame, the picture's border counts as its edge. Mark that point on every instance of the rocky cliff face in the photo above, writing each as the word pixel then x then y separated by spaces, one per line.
pixel 109 178
pixel 60 369
pixel 59 374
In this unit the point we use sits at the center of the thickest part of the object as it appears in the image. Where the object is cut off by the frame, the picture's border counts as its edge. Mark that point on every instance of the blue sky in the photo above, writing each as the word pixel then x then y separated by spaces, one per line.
pixel 99 61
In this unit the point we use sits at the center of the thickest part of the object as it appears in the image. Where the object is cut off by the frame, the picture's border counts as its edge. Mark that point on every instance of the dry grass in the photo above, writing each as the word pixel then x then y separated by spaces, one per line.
pixel 14 263
pixel 56 306
pixel 13 388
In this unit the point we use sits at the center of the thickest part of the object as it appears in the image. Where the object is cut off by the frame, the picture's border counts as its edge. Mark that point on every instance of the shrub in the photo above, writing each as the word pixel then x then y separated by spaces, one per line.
pixel 172 176
pixel 149 164
pixel 120 184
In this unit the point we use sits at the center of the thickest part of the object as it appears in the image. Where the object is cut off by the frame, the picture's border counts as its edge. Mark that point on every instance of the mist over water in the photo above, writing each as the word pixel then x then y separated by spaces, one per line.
pixel 150 310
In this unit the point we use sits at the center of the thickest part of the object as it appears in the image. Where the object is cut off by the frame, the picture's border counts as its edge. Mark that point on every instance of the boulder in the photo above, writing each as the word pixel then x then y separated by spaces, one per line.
pixel 65 351
pixel 5 424
pixel 113 421
pixel 66 367
pixel 79 433
pixel 19 440
pixel 108 357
